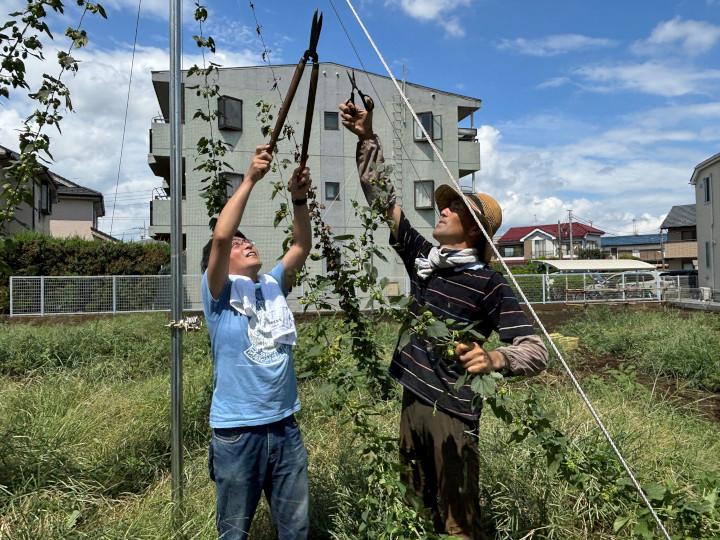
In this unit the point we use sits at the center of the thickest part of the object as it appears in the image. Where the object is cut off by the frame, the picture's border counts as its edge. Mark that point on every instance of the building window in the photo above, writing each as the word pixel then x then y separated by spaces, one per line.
pixel 45 198
pixel 332 191
pixel 431 123
pixel 424 190
pixel 332 121
pixel 233 182
pixel 688 235
pixel 708 254
pixel 230 113
pixel 706 189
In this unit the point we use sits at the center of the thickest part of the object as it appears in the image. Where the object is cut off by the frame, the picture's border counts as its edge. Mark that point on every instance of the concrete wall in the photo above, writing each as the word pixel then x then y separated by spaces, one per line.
pixel 336 164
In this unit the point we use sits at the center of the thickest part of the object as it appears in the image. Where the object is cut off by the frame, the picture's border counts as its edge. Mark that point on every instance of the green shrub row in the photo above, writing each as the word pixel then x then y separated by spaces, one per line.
pixel 35 254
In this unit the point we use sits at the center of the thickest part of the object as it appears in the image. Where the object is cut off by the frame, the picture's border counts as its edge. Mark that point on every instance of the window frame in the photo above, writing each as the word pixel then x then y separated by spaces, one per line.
pixel 231 187
pixel 331 114
pixel 223 117
pixel 707 189
pixel 45 198
pixel 435 121
pixel 431 196
pixel 326 184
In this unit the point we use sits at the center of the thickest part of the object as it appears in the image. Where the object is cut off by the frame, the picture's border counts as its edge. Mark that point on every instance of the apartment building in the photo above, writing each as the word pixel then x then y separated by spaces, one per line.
pixel 417 172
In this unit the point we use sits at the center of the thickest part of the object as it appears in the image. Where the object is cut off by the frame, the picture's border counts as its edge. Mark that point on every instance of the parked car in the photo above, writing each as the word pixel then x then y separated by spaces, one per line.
pixel 632 284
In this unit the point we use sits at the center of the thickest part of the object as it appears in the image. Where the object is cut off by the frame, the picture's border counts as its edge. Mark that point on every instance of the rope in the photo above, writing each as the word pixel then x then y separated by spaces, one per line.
pixel 522 294
pixel 127 106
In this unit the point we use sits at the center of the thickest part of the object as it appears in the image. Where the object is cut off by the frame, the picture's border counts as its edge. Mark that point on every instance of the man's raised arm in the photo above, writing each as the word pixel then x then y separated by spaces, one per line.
pixel 229 221
pixel 375 184
pixel 302 234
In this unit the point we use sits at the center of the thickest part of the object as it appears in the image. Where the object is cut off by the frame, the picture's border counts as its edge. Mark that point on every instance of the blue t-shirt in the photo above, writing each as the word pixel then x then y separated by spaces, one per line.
pixel 253 378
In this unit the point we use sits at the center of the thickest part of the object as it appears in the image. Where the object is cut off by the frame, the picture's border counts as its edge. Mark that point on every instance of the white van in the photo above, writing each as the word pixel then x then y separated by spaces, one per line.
pixel 633 284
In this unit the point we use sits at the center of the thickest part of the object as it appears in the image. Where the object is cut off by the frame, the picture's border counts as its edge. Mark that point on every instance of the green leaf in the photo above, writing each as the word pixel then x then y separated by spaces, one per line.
pixel 620 523
pixel 403 340
pixel 72 519
pixel 484 385
pixel 655 491
pixel 437 329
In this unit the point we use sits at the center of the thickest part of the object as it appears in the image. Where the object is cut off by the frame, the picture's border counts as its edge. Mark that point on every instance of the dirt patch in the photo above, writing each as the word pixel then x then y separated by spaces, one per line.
pixel 683 397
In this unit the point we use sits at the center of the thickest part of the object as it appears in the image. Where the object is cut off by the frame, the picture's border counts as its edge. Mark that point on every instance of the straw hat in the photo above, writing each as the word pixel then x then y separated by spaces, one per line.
pixel 484 206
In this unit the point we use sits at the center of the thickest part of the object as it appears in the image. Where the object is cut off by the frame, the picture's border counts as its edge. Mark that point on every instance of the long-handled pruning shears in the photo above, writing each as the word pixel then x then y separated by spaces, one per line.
pixel 366 100
pixel 311 53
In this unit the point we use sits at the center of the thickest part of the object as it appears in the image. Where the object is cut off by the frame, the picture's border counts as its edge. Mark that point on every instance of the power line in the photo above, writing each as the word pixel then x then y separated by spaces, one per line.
pixel 127 107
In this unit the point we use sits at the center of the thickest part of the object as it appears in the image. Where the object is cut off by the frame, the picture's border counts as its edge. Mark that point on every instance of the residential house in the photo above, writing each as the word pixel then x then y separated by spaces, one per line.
pixel 681 251
pixel 62 208
pixel 706 179
pixel 44 192
pixel 521 244
pixel 646 247
pixel 417 173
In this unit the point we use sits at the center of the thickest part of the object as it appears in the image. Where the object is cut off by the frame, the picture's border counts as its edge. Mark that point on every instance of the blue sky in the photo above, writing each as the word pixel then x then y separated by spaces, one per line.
pixel 604 107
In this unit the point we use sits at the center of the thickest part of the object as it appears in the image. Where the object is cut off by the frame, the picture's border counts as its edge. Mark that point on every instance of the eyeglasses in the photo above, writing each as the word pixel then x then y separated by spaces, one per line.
pixel 237 242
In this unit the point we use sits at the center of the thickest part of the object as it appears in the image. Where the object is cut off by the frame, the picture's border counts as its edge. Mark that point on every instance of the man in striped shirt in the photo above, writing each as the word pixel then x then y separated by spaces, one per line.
pixel 439 421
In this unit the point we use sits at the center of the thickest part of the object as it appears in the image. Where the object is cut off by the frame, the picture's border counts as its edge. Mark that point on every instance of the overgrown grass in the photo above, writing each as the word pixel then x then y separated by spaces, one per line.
pixel 669 342
pixel 84 442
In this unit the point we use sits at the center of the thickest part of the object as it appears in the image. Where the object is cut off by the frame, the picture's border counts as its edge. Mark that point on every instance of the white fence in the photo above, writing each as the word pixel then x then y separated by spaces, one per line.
pixel 73 295
pixel 76 295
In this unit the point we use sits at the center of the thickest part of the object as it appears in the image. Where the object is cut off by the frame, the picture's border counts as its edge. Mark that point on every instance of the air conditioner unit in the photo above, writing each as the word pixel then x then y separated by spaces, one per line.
pixel 705 294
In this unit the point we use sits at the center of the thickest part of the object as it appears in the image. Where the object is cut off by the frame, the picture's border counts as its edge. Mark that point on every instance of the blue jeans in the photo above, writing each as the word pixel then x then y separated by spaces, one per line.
pixel 244 462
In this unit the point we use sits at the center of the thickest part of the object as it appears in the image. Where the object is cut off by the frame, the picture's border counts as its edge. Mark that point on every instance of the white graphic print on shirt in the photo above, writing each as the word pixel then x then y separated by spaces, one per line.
pixel 263 350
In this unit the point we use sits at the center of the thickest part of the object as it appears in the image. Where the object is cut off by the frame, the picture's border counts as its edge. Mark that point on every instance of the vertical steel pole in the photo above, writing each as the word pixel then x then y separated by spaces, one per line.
pixel 176 245
pixel 42 295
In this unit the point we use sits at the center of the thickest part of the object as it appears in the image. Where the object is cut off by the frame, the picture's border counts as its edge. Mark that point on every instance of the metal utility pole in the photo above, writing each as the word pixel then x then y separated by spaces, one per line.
pixel 571 238
pixel 176 269
pixel 559 243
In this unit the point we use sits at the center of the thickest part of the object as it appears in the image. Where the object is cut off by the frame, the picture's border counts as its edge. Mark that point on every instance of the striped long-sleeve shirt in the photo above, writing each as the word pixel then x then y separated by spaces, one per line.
pixel 466 295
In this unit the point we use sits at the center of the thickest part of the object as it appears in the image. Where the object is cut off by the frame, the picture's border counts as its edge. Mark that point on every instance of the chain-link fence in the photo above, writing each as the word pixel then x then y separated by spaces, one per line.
pixel 72 295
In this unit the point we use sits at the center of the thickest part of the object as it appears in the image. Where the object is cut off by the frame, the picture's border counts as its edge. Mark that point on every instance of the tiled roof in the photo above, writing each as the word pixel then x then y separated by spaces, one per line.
pixel 631 240
pixel 680 216
pixel 579 230
pixel 66 187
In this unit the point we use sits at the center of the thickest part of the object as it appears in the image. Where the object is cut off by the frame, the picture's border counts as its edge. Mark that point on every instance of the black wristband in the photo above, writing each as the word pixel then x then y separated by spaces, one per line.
pixel 299 202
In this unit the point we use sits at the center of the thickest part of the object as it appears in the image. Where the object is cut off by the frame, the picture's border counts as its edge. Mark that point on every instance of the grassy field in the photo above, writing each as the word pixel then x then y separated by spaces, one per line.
pixel 84 445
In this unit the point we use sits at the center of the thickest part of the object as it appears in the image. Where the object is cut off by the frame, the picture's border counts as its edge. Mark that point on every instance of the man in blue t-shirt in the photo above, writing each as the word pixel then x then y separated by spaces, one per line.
pixel 256 444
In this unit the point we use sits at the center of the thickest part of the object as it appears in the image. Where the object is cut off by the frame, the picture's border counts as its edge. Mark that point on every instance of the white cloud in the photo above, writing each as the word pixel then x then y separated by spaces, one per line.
pixel 439 11
pixel 650 77
pixel 692 37
pixel 554 45
pixel 554 82
pixel 612 178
